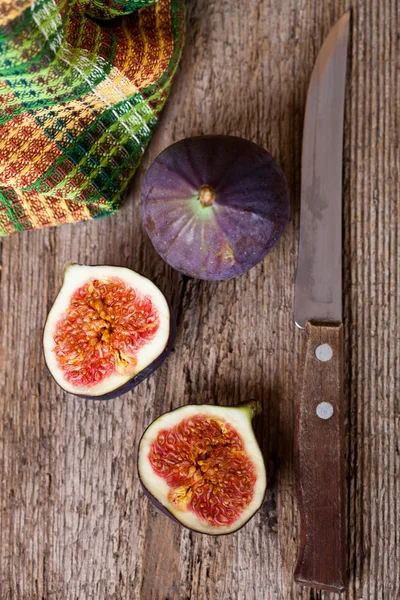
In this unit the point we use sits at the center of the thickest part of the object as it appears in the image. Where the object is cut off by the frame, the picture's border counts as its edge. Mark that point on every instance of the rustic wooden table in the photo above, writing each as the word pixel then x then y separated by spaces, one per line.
pixel 74 523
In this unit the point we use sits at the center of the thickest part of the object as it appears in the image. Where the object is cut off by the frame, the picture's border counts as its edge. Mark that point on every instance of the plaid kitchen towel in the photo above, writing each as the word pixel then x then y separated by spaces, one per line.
pixel 82 83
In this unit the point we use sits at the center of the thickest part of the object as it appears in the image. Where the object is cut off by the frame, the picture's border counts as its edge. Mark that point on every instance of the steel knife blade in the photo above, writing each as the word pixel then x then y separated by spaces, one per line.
pixel 319 432
pixel 318 290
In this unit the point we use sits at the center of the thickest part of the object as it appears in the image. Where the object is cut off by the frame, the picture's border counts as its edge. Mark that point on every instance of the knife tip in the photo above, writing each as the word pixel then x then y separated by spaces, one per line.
pixel 345 19
pixel 343 23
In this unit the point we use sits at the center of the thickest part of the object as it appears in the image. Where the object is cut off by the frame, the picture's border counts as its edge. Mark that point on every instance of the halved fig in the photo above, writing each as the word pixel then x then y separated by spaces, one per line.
pixel 214 206
pixel 202 466
pixel 109 328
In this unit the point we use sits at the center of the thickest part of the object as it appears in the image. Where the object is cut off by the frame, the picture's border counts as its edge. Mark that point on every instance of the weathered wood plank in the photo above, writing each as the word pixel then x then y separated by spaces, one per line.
pixel 73 521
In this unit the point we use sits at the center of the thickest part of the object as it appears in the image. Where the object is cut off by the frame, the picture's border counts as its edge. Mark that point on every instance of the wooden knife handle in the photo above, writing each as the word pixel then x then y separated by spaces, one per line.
pixel 319 460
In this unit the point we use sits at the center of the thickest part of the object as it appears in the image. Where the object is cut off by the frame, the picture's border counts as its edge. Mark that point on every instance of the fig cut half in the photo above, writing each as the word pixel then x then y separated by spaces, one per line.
pixel 202 466
pixel 107 330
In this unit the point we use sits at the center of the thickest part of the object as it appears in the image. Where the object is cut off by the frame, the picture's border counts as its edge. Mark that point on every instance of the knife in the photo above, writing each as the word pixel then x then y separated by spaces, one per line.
pixel 319 432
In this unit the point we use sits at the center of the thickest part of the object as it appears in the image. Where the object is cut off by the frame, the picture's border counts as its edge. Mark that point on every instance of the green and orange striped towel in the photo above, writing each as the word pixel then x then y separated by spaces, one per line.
pixel 82 83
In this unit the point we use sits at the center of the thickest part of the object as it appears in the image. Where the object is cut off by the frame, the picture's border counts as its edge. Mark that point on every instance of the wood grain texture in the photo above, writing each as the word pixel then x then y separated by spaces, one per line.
pixel 319 460
pixel 74 523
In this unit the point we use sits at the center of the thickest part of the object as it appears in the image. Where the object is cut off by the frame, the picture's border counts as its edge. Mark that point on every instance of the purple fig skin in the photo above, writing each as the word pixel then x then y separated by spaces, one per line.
pixel 230 230
pixel 132 383
pixel 165 510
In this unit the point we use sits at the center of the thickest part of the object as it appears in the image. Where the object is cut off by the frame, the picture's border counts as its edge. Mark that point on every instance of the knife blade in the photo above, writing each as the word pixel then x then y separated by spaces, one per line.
pixel 319 435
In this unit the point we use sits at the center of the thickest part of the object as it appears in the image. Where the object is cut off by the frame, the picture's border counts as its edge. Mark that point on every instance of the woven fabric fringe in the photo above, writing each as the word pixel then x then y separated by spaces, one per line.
pixel 81 88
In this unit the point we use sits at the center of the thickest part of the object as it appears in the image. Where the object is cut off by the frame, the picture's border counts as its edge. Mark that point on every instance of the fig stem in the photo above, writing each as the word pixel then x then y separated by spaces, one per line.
pixel 254 406
pixel 206 195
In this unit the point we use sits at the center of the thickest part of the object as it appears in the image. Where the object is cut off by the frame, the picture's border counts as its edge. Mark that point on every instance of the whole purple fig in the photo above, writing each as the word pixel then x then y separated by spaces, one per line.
pixel 214 206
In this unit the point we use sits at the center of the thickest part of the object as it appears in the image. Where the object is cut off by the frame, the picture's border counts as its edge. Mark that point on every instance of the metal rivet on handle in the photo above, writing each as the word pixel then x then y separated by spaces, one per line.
pixel 324 352
pixel 324 410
